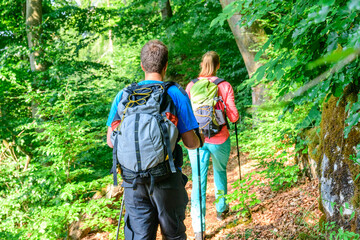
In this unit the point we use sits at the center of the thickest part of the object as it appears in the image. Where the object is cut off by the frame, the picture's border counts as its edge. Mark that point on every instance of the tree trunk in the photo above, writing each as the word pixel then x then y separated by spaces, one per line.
pixel 33 30
pixel 165 8
pixel 247 39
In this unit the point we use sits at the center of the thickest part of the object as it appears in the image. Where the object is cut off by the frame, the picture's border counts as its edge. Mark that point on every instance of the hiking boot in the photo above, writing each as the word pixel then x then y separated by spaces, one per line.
pixel 198 236
pixel 222 215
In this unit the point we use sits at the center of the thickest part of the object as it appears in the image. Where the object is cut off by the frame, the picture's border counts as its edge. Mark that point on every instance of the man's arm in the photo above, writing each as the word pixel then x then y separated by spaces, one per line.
pixel 112 114
pixel 108 136
pixel 191 139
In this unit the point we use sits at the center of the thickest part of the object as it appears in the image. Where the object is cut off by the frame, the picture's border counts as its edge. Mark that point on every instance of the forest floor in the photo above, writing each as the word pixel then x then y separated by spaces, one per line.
pixel 280 215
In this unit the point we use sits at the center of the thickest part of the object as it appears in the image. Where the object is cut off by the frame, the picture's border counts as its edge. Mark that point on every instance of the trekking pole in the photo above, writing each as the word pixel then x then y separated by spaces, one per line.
pixel 121 211
pixel 200 198
pixel 237 145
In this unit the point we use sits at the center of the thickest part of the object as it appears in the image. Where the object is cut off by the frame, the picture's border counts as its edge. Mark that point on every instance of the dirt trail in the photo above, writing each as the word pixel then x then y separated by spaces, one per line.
pixel 280 215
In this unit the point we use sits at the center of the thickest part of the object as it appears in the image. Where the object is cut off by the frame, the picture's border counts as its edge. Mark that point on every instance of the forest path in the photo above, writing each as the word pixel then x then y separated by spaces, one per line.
pixel 280 215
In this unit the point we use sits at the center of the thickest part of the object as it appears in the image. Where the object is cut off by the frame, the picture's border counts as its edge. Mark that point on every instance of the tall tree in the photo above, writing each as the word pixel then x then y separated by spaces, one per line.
pixel 33 29
pixel 247 39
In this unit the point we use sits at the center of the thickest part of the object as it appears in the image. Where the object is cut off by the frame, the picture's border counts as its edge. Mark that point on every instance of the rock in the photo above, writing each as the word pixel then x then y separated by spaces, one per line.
pixel 77 230
pixel 110 191
pixel 313 166
pixel 114 192
pixel 309 161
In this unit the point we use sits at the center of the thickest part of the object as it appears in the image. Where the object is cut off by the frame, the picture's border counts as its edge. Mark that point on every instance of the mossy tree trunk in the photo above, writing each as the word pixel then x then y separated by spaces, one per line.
pixel 339 187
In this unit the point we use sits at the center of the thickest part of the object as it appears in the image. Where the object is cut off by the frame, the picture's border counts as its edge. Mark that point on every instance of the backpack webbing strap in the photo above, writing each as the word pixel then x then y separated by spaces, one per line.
pixel 144 175
pixel 137 146
pixel 167 143
pixel 134 183
pixel 113 169
pixel 218 81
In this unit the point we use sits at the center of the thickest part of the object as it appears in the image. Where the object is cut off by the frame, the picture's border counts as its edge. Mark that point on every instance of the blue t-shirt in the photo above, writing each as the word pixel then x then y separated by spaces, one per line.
pixel 187 120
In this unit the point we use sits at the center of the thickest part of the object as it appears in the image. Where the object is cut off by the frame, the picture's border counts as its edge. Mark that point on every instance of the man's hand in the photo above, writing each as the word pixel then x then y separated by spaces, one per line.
pixel 191 140
pixel 108 137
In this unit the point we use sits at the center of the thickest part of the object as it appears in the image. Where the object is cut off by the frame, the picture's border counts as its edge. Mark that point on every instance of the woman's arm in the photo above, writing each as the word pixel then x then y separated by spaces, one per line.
pixel 231 111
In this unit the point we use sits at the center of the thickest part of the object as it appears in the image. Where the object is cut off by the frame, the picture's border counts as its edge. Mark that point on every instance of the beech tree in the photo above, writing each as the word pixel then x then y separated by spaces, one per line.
pixel 249 39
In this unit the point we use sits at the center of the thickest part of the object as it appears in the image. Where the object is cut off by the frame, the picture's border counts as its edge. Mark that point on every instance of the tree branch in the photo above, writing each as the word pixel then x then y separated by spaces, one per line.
pixel 323 76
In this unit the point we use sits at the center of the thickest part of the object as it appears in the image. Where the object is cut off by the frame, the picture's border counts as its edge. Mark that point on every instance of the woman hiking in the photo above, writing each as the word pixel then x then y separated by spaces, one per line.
pixel 217 144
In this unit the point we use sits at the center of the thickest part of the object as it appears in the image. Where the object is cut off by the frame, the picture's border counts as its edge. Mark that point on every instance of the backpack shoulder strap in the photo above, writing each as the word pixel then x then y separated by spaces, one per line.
pixel 218 81
pixel 195 80
pixel 130 88
pixel 167 85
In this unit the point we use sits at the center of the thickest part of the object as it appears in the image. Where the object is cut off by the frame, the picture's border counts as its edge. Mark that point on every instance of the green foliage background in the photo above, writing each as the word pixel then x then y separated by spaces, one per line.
pixel 66 142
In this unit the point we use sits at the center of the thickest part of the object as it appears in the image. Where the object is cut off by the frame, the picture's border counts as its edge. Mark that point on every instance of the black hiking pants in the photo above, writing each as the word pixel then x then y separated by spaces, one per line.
pixel 166 206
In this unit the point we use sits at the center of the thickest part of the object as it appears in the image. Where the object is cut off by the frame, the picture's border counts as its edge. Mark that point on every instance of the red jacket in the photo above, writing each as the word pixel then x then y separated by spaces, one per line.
pixel 227 93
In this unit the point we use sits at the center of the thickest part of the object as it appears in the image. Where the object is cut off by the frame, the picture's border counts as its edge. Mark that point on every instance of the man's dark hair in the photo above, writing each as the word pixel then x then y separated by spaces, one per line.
pixel 154 56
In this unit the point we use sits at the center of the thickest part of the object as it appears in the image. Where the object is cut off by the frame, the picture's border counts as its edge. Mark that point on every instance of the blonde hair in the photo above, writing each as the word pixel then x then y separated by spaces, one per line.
pixel 210 61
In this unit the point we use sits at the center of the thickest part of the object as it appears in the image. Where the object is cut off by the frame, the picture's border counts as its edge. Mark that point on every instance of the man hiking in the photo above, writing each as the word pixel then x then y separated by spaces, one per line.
pixel 145 123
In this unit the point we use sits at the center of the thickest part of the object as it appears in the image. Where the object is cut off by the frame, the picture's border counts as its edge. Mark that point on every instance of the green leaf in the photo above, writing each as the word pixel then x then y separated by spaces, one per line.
pixel 262 50
pixel 338 90
pixel 260 73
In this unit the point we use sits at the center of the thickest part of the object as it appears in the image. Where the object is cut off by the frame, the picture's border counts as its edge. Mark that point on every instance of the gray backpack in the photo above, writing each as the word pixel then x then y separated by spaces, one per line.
pixel 145 139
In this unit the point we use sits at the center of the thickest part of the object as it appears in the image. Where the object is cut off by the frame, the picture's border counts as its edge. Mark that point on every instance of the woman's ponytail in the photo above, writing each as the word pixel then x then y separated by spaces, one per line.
pixel 210 62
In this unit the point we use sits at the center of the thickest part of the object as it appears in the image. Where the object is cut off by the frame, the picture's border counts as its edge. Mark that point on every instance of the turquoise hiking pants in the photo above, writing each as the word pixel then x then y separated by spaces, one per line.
pixel 220 155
